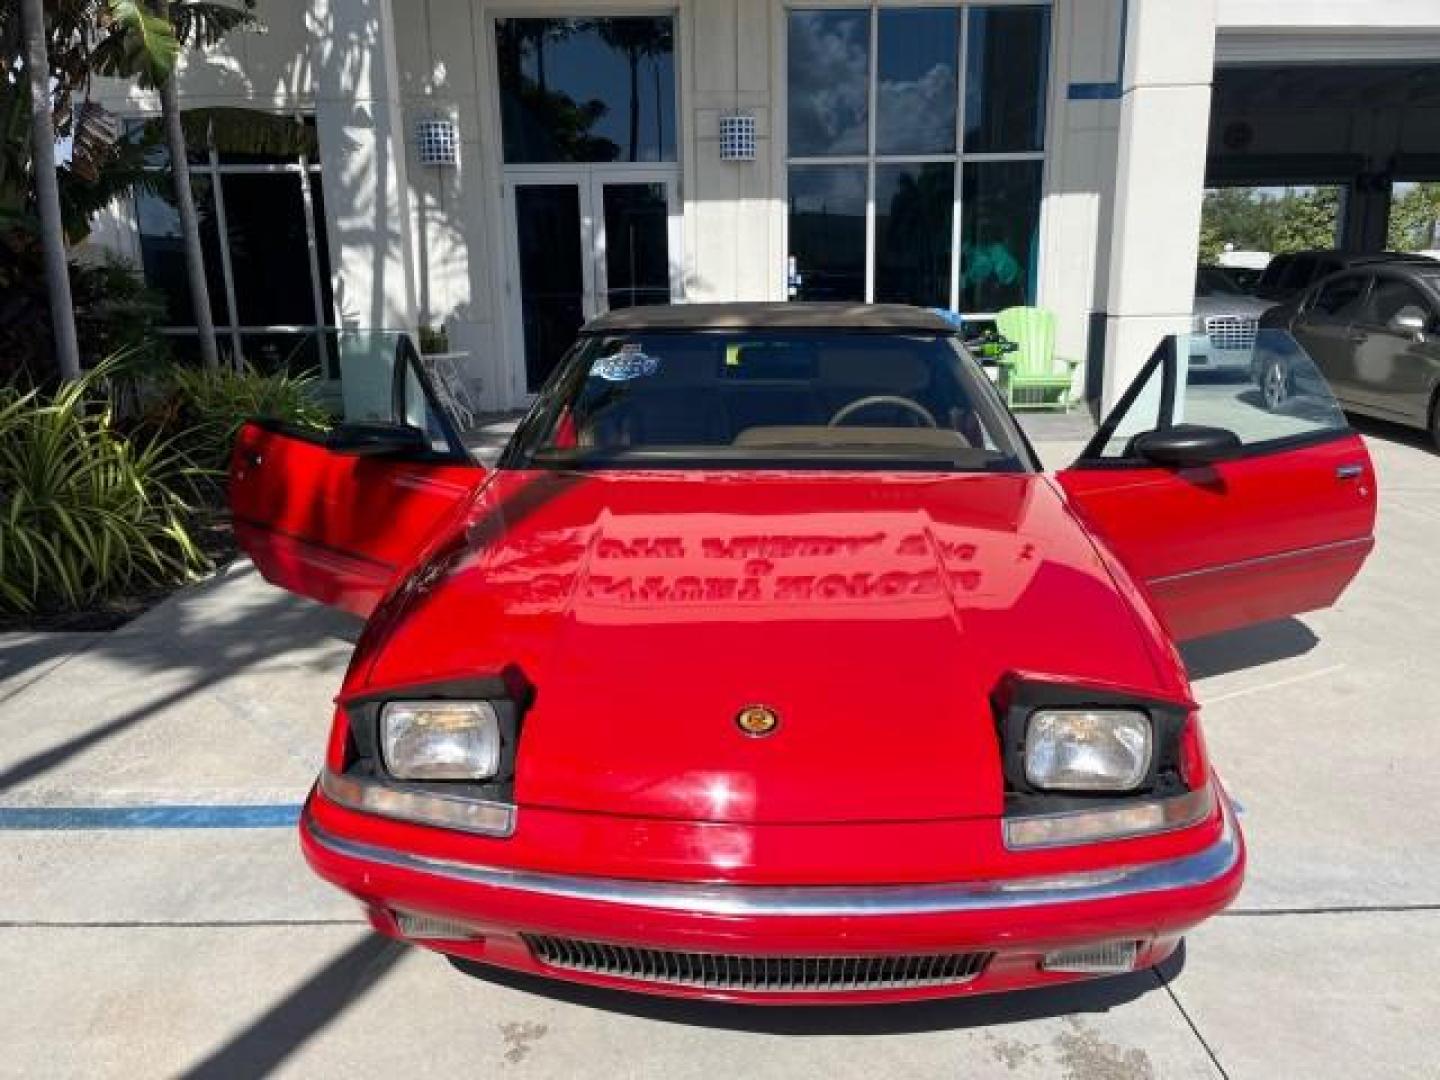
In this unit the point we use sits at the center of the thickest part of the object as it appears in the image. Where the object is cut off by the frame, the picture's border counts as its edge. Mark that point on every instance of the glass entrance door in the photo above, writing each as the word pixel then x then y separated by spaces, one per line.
pixel 586 244
pixel 552 273
pixel 633 243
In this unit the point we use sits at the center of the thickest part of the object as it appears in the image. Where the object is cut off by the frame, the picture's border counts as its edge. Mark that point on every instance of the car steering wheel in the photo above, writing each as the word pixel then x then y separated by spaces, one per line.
pixel 846 411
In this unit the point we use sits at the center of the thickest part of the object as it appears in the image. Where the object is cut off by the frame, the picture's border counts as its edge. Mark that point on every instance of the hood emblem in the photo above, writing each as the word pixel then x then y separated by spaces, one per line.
pixel 757 720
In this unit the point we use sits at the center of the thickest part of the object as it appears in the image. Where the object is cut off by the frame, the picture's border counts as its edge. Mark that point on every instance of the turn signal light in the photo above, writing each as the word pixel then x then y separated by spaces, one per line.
pixel 429 928
pixel 1107 958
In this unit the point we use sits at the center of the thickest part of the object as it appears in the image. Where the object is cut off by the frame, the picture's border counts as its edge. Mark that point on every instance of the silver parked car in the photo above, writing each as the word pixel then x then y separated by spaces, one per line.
pixel 1223 336
pixel 1374 333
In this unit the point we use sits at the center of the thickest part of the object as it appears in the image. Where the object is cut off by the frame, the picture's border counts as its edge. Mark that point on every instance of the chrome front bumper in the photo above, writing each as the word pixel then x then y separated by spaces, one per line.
pixel 1203 868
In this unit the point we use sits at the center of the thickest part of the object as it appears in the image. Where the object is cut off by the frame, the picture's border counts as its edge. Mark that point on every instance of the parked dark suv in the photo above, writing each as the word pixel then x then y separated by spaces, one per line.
pixel 1374 332
pixel 1292 272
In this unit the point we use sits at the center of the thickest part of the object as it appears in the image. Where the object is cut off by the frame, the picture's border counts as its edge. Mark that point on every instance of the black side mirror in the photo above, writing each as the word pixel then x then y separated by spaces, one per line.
pixel 363 439
pixel 1187 444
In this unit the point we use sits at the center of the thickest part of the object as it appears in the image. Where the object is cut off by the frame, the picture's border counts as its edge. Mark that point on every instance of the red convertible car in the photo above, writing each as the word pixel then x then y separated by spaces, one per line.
pixel 767 665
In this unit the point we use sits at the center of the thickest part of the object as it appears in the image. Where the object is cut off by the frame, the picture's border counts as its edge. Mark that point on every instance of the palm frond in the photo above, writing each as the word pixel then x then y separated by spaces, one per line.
pixel 139 44
pixel 249 131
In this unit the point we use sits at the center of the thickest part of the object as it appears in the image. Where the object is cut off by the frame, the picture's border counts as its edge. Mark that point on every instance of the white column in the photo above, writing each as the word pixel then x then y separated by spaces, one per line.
pixel 727 66
pixel 1159 182
pixel 360 123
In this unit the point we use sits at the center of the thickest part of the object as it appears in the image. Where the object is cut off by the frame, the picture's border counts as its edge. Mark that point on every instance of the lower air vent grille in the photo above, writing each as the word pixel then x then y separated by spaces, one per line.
pixel 777 974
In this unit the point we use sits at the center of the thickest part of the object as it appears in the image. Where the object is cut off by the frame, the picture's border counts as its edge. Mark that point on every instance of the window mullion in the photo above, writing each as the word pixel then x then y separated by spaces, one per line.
pixel 317 296
pixel 873 98
pixel 958 195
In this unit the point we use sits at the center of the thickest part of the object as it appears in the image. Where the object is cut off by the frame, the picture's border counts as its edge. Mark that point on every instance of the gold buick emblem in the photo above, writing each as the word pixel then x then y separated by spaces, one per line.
pixel 757 720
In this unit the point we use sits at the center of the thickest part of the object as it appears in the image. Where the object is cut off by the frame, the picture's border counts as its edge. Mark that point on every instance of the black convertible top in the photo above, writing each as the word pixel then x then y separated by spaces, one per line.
pixel 771 316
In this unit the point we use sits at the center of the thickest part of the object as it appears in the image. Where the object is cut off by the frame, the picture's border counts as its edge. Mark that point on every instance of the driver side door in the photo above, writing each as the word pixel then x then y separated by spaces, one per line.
pixel 1278 527
pixel 336 516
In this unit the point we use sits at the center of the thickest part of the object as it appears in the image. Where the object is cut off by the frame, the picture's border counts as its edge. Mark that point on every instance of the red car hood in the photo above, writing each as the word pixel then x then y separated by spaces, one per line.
pixel 874 615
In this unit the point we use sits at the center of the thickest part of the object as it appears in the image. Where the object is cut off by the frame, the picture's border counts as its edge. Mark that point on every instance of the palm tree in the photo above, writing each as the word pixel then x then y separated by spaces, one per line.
pixel 638 39
pixel 47 190
pixel 147 51
pixel 189 219
pixel 196 25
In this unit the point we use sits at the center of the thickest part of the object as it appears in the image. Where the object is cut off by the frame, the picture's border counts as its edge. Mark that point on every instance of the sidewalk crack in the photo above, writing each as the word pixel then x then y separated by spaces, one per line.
pixel 1189 1021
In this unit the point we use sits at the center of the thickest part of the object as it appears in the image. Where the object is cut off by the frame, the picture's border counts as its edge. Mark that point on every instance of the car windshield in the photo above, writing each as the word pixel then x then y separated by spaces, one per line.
pixel 769 399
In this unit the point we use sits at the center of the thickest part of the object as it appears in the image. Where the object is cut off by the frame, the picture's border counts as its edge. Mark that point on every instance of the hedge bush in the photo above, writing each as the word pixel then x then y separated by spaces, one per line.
pixel 204 409
pixel 86 510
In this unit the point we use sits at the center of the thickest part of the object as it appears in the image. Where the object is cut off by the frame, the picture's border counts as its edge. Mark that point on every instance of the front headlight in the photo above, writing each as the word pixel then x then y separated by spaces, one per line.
pixel 440 740
pixel 1088 749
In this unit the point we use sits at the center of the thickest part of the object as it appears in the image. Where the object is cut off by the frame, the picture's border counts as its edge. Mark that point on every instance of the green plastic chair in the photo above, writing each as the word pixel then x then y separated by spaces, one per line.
pixel 1033 377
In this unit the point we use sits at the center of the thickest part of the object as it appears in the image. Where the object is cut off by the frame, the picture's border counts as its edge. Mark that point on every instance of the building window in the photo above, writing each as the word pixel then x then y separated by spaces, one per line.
pixel 267 261
pixel 916 153
pixel 587 90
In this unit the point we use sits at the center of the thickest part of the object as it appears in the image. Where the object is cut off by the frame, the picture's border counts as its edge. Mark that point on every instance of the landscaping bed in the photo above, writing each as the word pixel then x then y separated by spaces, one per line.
pixel 216 541
pixel 112 492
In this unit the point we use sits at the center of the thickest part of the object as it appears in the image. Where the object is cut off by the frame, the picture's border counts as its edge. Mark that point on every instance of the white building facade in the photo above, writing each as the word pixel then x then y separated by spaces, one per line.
pixel 971 156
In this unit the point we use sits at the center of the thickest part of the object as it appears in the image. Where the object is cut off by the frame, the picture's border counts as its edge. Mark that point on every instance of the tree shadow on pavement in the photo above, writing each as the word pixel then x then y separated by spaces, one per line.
pixel 192 643
pixel 285 1026
pixel 906 1018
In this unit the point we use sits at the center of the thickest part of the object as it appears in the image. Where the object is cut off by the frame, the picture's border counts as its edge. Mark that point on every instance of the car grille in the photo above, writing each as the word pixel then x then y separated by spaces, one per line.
pixel 1231 331
pixel 776 974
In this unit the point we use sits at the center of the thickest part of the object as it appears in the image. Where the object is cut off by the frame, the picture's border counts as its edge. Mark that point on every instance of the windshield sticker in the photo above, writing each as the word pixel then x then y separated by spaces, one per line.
pixel 629 363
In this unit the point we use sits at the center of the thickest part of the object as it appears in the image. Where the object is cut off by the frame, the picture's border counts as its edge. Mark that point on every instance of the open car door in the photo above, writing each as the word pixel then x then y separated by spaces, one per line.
pixel 335 515
pixel 1231 504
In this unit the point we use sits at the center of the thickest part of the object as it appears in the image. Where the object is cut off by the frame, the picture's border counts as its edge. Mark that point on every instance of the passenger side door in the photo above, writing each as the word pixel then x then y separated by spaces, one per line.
pixel 1275 524
pixel 1396 365
pixel 335 516
pixel 1324 328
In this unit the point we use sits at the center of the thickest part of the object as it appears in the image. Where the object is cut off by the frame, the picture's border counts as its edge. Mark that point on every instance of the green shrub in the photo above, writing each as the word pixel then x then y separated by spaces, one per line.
pixel 205 409
pixel 86 512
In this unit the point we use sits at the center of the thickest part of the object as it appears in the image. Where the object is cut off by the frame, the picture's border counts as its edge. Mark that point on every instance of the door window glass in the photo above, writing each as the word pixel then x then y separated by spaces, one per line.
pixel 420 407
pixel 552 274
pixel 587 89
pixel 1340 299
pixel 1283 398
pixel 371 362
pixel 637 245
pixel 1392 297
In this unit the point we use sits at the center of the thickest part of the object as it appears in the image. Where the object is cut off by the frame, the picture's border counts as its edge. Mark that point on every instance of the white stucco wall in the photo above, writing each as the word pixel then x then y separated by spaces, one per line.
pixel 1302 15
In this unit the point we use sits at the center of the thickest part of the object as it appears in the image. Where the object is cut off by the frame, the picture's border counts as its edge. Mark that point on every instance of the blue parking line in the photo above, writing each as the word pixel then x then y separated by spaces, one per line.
pixel 38 818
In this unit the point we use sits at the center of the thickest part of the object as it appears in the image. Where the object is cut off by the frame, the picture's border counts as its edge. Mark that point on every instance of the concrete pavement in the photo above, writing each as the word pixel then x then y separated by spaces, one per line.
pixel 193 947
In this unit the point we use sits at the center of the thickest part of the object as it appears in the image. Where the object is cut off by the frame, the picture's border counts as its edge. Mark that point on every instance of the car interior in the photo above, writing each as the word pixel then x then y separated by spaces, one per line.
pixel 723 390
